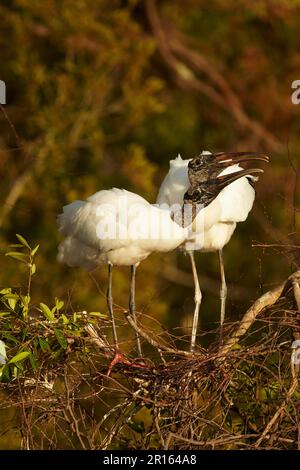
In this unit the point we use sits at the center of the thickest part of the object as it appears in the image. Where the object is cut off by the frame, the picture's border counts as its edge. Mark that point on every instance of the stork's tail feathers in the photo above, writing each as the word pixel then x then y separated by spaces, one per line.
pixel 74 253
pixel 66 219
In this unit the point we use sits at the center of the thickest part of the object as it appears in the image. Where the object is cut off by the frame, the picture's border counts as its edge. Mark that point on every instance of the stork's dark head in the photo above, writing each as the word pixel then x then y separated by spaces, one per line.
pixel 201 161
pixel 208 165
pixel 202 167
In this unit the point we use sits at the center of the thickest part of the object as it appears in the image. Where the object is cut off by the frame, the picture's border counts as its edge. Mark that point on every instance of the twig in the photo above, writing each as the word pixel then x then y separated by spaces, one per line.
pixel 281 410
pixel 154 343
pixel 213 442
pixel 274 245
pixel 159 431
pixel 98 340
pixel 266 300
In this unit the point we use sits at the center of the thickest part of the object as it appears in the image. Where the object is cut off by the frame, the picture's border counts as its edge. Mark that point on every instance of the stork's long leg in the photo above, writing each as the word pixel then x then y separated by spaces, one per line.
pixel 132 307
pixel 197 298
pixel 118 356
pixel 223 292
pixel 110 305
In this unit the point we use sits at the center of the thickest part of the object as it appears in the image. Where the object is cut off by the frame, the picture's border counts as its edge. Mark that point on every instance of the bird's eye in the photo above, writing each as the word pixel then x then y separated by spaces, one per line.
pixel 195 163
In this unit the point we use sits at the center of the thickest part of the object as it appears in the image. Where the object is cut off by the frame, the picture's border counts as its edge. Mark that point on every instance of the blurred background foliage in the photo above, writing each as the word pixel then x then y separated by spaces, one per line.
pixel 104 93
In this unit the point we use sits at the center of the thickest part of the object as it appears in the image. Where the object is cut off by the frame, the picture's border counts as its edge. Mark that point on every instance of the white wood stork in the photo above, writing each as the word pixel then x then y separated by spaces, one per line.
pixel 119 228
pixel 220 217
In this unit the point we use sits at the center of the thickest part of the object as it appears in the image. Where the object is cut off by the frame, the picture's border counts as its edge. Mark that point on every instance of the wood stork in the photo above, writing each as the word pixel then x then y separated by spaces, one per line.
pixel 233 204
pixel 116 227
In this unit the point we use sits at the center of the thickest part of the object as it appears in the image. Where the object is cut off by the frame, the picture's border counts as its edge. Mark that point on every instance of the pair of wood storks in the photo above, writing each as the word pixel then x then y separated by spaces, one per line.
pixel 120 228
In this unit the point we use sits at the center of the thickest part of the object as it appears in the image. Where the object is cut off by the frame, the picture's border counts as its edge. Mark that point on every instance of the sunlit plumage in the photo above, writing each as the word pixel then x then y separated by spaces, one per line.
pixel 117 228
pixel 232 205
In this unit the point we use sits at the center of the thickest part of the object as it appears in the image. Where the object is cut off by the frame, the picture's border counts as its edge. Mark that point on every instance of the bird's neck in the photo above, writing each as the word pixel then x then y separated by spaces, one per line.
pixel 185 216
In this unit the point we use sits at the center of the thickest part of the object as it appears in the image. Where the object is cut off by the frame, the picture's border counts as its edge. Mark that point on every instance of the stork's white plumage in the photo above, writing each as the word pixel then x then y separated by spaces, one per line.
pixel 117 228
pixel 232 205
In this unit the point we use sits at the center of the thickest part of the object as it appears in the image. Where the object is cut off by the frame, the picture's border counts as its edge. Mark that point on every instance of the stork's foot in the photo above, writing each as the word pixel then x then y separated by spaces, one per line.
pixel 119 358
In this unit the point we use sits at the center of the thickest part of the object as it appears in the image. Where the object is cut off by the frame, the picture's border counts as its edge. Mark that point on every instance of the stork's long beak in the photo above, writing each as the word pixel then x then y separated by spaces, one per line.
pixel 230 158
pixel 225 180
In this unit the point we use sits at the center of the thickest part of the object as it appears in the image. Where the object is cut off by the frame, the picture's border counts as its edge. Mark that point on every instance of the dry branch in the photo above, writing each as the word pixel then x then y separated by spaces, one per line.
pixel 185 62
pixel 281 409
pixel 154 343
pixel 266 300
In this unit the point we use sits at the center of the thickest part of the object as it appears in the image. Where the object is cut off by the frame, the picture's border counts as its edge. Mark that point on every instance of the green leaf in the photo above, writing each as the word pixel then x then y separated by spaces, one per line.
pixel 17 256
pixel 5 373
pixel 25 300
pixel 33 269
pixel 11 295
pixel 44 345
pixel 23 241
pixel 10 337
pixel 61 339
pixel 6 290
pixel 137 426
pixel 12 303
pixel 4 314
pixel 11 300
pixel 64 319
pixel 59 303
pixel 47 312
pixel 98 314
pixel 19 357
pixel 33 362
pixel 33 252
pixel 18 366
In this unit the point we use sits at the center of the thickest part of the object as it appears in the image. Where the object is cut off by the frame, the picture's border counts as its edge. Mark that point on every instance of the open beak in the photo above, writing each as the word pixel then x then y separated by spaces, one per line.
pixel 226 159
pixel 225 180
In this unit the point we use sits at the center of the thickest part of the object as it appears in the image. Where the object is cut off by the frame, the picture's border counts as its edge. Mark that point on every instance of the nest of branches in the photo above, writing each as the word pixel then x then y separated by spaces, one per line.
pixel 241 395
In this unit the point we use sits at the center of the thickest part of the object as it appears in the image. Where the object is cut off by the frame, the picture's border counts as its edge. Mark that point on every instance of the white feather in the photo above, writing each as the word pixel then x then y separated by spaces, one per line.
pixel 115 226
pixel 217 221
